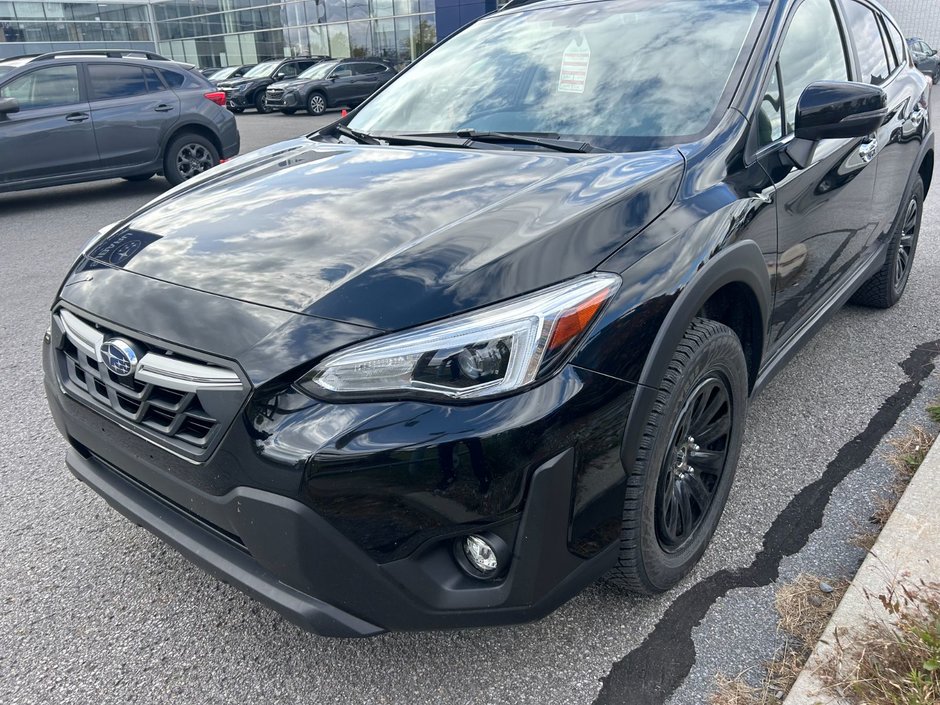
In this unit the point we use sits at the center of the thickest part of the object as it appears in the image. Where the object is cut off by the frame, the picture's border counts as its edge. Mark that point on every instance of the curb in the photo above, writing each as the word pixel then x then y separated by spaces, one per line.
pixel 908 544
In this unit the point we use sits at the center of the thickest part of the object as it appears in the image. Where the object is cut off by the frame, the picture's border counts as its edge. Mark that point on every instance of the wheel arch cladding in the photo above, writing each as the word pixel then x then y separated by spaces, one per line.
pixel 197 129
pixel 926 170
pixel 732 288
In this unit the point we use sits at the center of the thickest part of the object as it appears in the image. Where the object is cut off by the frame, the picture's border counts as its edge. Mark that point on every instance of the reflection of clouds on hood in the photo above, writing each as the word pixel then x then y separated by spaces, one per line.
pixel 288 231
pixel 656 68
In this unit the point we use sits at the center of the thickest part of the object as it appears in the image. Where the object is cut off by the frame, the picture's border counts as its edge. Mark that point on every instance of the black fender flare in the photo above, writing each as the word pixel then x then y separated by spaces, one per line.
pixel 741 262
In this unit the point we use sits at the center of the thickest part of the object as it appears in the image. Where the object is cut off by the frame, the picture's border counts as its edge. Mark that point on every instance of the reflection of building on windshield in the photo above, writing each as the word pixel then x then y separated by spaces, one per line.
pixel 120 248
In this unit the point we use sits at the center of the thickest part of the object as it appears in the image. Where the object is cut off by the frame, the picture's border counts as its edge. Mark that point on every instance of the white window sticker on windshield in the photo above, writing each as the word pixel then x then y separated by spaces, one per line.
pixel 574 67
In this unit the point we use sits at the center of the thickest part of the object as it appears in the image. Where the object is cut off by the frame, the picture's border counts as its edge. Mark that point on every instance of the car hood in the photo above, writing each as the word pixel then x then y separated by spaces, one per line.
pixel 293 83
pixel 233 82
pixel 389 237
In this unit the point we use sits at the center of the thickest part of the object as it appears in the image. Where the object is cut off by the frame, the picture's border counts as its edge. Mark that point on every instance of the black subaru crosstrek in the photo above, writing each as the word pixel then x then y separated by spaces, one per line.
pixel 493 335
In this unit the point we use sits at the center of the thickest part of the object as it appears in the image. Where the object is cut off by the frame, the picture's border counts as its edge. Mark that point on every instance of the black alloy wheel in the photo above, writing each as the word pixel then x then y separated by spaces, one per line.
pixel 678 484
pixel 261 103
pixel 887 286
pixel 906 245
pixel 691 473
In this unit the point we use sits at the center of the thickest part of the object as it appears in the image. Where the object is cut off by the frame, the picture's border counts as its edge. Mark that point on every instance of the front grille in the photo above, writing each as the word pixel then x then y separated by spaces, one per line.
pixel 176 399
pixel 275 93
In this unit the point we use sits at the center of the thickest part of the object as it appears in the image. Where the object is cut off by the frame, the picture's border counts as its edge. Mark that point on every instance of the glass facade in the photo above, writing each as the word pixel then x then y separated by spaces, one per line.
pixel 229 32
pixel 45 26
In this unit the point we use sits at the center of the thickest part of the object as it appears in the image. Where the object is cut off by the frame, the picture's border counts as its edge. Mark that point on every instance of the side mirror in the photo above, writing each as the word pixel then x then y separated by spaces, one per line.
pixel 9 105
pixel 932 52
pixel 835 110
pixel 279 75
pixel 838 110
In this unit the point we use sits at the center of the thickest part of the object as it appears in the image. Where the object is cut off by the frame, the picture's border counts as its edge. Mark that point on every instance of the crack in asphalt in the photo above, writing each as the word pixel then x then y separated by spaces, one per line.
pixel 651 673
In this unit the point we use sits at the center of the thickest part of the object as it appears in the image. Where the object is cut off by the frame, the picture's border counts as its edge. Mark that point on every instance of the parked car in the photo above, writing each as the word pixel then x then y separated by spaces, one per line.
pixel 229 72
pixel 329 84
pixel 248 91
pixel 493 335
pixel 67 117
pixel 208 71
pixel 925 57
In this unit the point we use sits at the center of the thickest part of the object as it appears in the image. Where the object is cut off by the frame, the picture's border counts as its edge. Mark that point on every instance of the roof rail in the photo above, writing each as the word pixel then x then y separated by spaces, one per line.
pixel 110 53
pixel 19 57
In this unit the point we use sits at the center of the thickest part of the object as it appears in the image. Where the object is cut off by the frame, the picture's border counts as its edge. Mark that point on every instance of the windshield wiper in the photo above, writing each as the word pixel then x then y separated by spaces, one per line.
pixel 545 140
pixel 360 137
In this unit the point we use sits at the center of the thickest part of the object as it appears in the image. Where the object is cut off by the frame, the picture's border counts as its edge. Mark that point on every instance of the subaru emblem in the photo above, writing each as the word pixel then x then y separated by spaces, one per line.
pixel 119 356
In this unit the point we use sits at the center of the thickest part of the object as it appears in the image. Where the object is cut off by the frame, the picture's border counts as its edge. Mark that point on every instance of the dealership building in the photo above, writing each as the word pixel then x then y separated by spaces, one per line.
pixel 229 32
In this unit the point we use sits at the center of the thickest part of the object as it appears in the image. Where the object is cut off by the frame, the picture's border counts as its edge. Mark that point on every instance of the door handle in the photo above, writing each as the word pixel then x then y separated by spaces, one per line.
pixel 163 108
pixel 868 150
pixel 77 117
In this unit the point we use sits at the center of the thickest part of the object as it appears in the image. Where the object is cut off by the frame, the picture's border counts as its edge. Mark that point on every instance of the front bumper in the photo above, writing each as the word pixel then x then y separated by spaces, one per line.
pixel 282 100
pixel 237 100
pixel 352 533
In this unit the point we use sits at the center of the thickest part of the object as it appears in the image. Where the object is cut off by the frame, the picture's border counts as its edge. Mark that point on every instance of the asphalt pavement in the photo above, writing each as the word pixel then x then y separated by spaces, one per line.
pixel 96 610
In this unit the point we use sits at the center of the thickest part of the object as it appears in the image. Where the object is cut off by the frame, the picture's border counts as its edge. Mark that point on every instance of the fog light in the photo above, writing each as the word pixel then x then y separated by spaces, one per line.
pixel 481 554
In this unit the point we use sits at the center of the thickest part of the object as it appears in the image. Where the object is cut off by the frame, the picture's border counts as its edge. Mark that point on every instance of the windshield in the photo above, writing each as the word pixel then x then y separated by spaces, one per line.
pixel 262 70
pixel 223 73
pixel 318 70
pixel 621 74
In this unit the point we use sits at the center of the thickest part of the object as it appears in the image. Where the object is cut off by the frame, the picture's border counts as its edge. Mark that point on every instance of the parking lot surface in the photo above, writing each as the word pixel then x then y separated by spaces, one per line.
pixel 96 610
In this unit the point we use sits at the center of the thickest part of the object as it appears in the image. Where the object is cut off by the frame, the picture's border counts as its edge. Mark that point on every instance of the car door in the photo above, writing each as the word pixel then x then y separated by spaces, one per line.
pixel 366 80
pixel 824 211
pixel 342 88
pixel 132 111
pixel 879 43
pixel 52 133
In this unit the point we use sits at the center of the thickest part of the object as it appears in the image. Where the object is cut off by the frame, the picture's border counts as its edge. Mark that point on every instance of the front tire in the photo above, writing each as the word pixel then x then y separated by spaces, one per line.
pixel 316 103
pixel 261 104
pixel 188 155
pixel 887 287
pixel 679 484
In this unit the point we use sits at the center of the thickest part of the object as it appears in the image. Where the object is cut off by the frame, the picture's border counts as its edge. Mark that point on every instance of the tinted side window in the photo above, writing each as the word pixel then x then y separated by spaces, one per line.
pixel 872 59
pixel 289 70
pixel 813 50
pixel 369 68
pixel 44 88
pixel 153 81
pixel 116 81
pixel 342 71
pixel 897 41
pixel 177 79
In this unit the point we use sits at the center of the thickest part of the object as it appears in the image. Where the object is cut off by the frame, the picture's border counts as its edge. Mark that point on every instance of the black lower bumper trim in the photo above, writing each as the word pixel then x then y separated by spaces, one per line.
pixel 214 554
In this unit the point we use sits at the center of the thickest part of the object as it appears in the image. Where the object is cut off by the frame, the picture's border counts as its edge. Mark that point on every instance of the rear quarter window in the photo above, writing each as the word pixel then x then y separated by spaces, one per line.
pixel 181 78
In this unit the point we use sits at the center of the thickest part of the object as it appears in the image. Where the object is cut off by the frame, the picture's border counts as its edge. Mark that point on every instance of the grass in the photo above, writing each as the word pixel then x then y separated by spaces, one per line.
pixel 894 660
pixel 934 412
pixel 803 610
pixel 907 454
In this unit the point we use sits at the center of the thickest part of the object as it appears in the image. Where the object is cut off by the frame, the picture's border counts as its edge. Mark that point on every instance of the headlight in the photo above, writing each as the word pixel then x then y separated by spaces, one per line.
pixel 485 353
pixel 241 88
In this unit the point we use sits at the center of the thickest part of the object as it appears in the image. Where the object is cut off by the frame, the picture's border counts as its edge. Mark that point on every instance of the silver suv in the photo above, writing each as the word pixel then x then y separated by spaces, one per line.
pixel 67 117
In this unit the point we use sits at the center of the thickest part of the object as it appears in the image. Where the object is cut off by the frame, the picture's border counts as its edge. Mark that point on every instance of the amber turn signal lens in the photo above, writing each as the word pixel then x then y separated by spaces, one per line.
pixel 573 322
